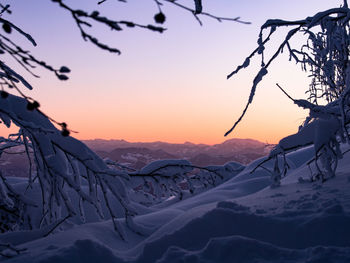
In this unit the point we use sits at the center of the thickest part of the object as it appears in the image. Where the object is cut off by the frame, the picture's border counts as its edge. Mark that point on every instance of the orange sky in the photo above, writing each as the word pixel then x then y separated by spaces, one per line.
pixel 166 87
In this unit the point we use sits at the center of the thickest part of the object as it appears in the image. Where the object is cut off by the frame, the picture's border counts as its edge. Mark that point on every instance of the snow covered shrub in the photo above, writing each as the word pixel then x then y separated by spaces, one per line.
pixel 325 56
pixel 175 179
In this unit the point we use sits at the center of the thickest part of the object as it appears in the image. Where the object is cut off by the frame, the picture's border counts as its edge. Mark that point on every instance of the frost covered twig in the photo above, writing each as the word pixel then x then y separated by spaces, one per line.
pixel 9 77
pixel 285 93
pixel 78 16
pixel 165 179
pixel 196 11
pixel 326 56
pixel 303 26
pixel 61 164
pixel 82 19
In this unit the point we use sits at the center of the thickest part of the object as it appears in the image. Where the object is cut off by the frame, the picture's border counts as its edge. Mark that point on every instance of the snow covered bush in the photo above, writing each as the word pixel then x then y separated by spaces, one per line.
pixel 176 179
pixel 325 56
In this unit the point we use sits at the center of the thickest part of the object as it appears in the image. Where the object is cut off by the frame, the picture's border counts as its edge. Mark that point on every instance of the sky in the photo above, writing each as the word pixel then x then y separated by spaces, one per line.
pixel 164 87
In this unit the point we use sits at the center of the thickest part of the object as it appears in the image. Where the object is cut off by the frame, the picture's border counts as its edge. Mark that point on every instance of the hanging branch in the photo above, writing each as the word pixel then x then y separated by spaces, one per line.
pixel 58 163
pixel 52 153
pixel 162 179
pixel 326 56
pixel 303 26
pixel 82 17
pixel 196 11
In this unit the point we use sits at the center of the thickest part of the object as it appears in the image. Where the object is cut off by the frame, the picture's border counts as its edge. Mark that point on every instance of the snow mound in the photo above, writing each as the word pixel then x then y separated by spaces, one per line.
pixel 245 250
pixel 87 251
pixel 328 228
pixel 241 220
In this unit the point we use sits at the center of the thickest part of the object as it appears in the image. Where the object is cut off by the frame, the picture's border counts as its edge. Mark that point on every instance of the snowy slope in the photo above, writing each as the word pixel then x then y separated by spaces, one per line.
pixel 242 220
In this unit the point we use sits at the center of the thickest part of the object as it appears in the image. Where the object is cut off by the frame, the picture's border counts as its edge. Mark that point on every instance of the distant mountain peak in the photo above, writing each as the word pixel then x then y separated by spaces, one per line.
pixel 235 149
pixel 240 140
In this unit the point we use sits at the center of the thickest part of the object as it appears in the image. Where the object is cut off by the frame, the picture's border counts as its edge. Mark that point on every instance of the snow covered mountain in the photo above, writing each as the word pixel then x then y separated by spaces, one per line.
pixel 186 149
pixel 241 220
pixel 137 155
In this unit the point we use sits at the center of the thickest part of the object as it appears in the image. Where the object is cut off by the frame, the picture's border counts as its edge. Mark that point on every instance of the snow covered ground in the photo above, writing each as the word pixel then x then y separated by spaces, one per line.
pixel 241 220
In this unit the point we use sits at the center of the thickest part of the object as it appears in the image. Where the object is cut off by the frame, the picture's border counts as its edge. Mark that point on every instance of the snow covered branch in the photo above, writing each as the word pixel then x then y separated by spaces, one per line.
pixel 68 175
pixel 62 164
pixel 325 55
pixel 167 179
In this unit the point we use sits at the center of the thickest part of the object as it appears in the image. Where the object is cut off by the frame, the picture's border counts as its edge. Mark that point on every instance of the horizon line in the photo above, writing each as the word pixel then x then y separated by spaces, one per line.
pixel 185 142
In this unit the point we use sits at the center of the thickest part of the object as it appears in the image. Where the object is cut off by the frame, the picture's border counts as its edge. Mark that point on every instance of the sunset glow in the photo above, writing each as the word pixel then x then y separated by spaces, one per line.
pixel 165 87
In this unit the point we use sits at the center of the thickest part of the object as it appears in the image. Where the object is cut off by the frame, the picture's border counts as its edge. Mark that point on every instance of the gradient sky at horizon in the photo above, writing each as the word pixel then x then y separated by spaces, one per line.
pixel 164 87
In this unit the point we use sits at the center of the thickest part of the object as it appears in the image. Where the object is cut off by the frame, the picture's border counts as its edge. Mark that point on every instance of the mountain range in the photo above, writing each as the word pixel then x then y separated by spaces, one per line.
pixel 138 154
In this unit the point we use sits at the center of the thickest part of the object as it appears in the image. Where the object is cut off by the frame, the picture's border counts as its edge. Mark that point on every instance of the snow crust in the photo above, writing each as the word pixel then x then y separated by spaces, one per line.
pixel 241 220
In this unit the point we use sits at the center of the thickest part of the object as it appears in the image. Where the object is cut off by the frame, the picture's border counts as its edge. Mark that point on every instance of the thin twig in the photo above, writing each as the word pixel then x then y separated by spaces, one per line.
pixel 285 92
